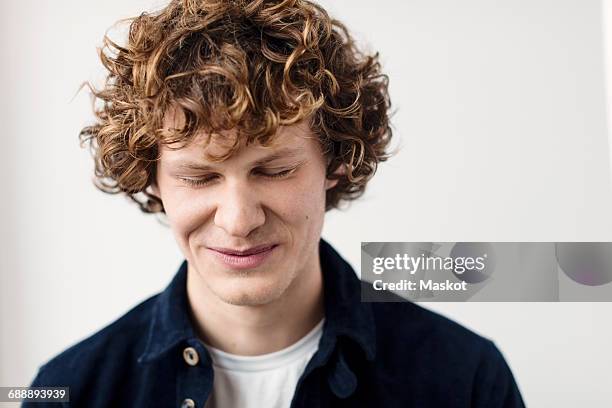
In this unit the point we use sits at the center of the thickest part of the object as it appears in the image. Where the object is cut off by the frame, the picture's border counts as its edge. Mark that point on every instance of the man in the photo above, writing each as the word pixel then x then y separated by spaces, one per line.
pixel 244 122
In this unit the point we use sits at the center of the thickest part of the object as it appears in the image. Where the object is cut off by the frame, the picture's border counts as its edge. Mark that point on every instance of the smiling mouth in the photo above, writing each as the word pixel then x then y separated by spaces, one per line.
pixel 247 259
pixel 245 252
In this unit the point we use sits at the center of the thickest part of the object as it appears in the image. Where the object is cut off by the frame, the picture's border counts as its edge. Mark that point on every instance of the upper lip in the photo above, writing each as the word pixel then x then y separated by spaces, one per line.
pixel 243 252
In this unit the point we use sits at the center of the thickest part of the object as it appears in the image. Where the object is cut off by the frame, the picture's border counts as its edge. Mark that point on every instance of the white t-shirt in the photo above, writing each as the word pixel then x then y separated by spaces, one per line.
pixel 263 381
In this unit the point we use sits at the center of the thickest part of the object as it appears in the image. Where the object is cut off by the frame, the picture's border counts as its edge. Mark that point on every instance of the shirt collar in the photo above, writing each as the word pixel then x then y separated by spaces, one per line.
pixel 345 314
pixel 170 322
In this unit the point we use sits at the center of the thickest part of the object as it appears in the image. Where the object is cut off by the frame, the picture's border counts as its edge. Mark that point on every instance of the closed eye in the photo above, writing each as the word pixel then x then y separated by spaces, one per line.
pixel 198 182
pixel 202 181
pixel 278 174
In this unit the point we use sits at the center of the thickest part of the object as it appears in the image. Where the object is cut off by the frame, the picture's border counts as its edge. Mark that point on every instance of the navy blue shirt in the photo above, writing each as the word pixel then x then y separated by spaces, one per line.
pixel 370 355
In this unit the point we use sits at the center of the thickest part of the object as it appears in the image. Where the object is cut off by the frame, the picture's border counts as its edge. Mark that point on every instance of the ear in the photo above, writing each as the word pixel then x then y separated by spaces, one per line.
pixel 340 171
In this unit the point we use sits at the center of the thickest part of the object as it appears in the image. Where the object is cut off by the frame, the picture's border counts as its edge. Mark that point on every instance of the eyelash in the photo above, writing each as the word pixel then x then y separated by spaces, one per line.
pixel 204 181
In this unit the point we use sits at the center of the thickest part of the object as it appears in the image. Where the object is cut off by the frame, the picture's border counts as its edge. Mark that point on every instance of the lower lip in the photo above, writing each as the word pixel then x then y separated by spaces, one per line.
pixel 244 262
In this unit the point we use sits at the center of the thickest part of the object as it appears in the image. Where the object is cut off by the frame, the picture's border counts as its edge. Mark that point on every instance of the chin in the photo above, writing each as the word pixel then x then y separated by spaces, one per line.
pixel 247 292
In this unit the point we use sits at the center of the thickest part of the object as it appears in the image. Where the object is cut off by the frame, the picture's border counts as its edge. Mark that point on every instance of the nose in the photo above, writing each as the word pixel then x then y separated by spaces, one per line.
pixel 239 210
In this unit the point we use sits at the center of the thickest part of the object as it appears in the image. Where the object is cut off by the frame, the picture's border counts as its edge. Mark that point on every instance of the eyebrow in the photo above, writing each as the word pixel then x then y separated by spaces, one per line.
pixel 279 154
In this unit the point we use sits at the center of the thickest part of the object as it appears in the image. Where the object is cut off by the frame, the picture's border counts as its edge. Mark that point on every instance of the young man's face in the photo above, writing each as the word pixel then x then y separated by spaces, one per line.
pixel 261 196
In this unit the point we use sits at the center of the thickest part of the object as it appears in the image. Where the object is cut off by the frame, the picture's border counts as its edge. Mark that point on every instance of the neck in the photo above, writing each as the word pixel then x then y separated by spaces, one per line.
pixel 259 329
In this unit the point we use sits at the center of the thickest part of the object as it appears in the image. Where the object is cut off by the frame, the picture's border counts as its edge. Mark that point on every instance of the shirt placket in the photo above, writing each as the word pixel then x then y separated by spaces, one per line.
pixel 195 376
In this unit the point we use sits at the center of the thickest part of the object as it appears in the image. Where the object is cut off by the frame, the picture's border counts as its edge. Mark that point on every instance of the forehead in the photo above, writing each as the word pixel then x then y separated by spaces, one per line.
pixel 295 141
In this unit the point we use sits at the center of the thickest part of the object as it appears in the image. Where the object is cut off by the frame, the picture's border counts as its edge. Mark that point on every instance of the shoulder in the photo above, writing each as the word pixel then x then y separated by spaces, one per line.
pixel 408 333
pixel 408 316
pixel 117 343
pixel 404 319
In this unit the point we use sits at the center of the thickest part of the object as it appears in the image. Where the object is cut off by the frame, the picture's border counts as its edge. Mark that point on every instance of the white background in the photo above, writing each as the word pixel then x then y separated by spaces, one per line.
pixel 501 120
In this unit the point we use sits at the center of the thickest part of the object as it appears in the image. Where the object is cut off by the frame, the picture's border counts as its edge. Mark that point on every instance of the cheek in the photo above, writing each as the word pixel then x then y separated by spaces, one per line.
pixel 300 201
pixel 185 214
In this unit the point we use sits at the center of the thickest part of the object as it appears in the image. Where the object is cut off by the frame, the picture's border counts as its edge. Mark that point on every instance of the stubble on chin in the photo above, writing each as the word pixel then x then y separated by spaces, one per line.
pixel 256 297
pixel 240 292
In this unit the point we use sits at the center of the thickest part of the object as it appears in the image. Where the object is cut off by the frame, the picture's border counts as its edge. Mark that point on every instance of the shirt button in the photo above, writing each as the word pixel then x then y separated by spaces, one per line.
pixel 188 403
pixel 191 357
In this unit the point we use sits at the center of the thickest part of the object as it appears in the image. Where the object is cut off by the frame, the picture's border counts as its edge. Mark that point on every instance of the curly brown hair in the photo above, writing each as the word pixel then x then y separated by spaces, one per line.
pixel 248 65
